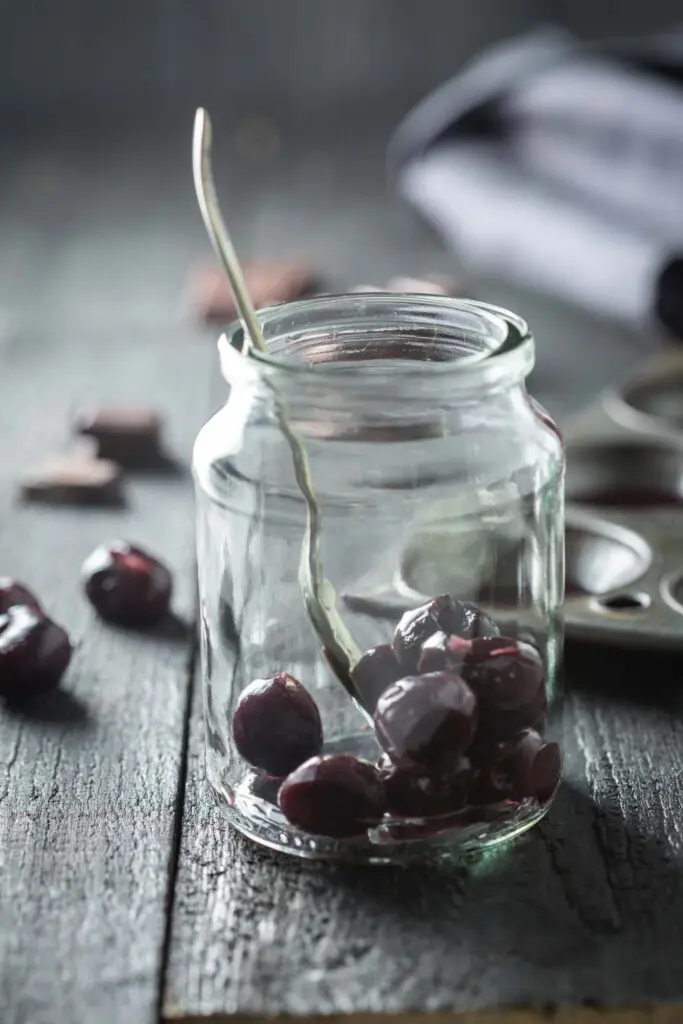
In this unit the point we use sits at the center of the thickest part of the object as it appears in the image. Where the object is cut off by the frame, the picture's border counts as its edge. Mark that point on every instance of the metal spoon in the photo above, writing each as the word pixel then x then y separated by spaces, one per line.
pixel 318 593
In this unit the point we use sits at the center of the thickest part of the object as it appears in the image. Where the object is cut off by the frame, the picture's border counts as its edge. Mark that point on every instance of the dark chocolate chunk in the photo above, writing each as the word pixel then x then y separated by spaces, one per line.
pixel 267 284
pixel 129 436
pixel 74 479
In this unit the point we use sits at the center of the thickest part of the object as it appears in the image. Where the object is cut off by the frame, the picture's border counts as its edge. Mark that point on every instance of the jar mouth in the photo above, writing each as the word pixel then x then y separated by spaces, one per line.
pixel 384 333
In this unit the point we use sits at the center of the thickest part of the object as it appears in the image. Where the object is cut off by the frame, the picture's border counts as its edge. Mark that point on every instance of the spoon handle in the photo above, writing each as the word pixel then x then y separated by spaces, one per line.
pixel 318 593
pixel 217 231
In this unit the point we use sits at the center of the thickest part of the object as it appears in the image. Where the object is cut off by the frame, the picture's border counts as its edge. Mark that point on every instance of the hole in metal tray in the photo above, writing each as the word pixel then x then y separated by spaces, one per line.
pixel 626 604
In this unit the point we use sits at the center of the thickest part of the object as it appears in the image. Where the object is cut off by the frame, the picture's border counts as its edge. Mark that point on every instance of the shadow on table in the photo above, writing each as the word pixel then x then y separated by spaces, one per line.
pixel 173 629
pixel 587 906
pixel 647 678
pixel 59 708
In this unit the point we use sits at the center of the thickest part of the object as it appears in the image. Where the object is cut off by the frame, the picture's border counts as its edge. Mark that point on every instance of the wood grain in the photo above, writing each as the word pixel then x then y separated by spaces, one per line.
pixel 96 241
pixel 588 909
pixel 89 779
pixel 670 1014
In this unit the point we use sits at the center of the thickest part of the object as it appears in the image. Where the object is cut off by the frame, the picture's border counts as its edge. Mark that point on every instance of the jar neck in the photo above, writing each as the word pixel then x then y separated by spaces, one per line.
pixel 377 357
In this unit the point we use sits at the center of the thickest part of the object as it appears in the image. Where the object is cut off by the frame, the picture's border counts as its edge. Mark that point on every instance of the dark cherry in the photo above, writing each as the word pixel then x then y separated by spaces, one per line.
pixel 276 725
pixel 338 796
pixel 374 672
pixel 34 653
pixel 443 653
pixel 12 592
pixel 126 585
pixel 504 673
pixel 426 721
pixel 443 613
pixel 525 766
pixel 413 794
pixel 501 724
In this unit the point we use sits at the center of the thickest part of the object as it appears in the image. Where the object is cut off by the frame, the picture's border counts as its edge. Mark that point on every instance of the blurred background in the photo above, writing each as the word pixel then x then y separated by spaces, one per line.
pixel 98 222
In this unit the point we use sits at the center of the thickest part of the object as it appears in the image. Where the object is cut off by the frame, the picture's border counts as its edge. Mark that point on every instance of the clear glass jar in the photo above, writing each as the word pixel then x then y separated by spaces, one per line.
pixel 434 474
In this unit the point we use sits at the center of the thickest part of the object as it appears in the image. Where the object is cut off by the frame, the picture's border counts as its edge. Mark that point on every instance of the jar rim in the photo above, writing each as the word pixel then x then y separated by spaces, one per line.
pixel 505 351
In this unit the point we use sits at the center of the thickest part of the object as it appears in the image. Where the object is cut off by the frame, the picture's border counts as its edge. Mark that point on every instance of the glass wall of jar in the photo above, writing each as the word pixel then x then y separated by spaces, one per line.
pixel 440 528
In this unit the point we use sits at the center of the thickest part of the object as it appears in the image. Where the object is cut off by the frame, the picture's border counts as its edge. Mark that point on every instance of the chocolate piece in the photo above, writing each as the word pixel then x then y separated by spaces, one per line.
pixel 267 284
pixel 74 479
pixel 127 435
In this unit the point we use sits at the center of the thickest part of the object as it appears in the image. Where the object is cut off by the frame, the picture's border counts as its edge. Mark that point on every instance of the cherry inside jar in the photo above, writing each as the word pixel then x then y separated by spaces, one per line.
pixel 421 438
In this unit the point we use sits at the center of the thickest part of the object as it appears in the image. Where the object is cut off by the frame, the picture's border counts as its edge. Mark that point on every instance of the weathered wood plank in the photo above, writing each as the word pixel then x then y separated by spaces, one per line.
pixel 89 782
pixel 580 910
pixel 670 1014
pixel 587 909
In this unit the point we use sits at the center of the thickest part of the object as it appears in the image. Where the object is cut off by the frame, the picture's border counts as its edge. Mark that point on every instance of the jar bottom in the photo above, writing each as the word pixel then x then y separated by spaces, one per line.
pixel 252 809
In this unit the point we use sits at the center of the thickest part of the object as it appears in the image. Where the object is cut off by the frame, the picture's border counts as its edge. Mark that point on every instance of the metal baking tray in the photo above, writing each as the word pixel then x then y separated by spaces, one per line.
pixel 624 523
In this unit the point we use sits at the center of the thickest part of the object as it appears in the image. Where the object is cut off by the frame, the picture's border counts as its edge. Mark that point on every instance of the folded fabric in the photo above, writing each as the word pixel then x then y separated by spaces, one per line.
pixel 559 166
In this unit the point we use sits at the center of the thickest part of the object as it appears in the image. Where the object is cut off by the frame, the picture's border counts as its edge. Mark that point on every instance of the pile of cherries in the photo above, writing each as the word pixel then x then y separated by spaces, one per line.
pixel 125 585
pixel 455 706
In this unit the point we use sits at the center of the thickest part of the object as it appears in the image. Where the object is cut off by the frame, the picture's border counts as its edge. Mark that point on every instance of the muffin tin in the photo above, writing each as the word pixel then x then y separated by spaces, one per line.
pixel 624 524
pixel 625 481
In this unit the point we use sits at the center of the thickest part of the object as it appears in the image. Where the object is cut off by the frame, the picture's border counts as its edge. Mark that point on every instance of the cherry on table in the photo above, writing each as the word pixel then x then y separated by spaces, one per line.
pixel 426 721
pixel 126 585
pixel 445 614
pixel 34 653
pixel 276 725
pixel 338 796
pixel 13 592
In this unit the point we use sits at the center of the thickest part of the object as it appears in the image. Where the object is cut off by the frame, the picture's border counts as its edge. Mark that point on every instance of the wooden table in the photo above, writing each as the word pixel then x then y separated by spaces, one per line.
pixel 124 896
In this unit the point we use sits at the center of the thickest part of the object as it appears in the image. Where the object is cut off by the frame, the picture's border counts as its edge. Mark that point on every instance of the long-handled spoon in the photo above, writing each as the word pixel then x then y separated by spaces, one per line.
pixel 318 593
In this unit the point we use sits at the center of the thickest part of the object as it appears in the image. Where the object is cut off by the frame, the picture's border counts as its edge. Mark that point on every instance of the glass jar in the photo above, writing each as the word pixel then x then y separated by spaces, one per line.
pixel 435 476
